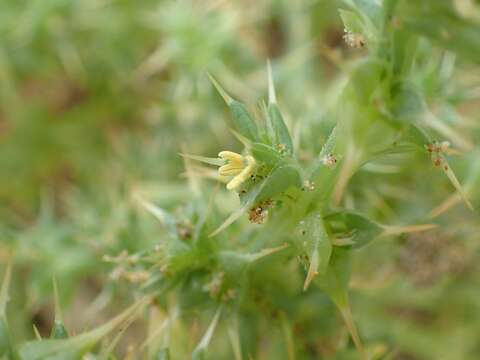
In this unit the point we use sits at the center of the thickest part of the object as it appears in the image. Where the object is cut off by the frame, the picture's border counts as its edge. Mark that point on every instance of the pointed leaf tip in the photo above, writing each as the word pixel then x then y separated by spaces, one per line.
pixel 205 341
pixel 272 98
pixel 312 270
pixel 227 98
pixel 453 179
pixel 207 160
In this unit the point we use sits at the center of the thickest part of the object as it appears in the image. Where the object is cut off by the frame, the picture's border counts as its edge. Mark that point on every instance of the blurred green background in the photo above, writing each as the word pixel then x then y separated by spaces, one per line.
pixel 98 97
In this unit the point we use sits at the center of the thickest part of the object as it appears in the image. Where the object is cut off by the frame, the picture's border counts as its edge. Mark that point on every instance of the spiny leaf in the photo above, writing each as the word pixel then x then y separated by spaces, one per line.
pixel 207 160
pixel 266 154
pixel 77 345
pixel 456 184
pixel 318 246
pixel 371 12
pixel 395 230
pixel 335 283
pixel 351 21
pixel 236 264
pixel 276 128
pixel 198 352
pixel 228 99
pixel 265 252
pixel 282 134
pixel 347 316
pixel 249 200
pixel 272 98
pixel 280 180
pixel 113 343
pixel 242 119
pixel 58 329
pixel 357 227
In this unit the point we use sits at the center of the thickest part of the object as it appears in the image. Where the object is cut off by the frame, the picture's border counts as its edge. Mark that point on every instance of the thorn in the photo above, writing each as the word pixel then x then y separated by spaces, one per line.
pixel 203 159
pixel 395 230
pixel 266 252
pixel 312 269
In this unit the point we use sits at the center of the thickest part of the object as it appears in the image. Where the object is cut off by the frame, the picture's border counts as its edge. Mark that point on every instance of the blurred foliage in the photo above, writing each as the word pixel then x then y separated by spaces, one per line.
pixel 351 228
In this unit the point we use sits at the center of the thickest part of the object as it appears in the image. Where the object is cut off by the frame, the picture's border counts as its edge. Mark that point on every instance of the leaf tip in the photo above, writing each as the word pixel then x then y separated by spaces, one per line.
pixel 227 98
pixel 272 98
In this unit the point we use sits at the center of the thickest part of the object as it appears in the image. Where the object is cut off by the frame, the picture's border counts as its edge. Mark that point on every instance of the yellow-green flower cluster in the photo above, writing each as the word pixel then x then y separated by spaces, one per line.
pixel 241 167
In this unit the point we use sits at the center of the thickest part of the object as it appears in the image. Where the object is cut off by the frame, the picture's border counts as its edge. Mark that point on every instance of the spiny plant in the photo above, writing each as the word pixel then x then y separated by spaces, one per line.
pixel 380 117
pixel 216 286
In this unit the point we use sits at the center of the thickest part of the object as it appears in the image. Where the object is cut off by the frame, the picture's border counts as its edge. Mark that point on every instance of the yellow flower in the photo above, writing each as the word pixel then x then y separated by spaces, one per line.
pixel 241 167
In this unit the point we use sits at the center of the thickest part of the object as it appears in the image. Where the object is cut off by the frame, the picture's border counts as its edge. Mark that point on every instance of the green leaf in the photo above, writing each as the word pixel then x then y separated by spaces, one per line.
pixel 266 154
pixel 330 144
pixel 282 135
pixel 324 177
pixel 415 135
pixel 276 127
pixel 207 160
pixel 335 283
pixel 369 9
pixel 243 121
pixel 351 21
pixel 315 240
pixel 248 200
pixel 358 228
pixel 403 52
pixel 335 280
pixel 279 181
